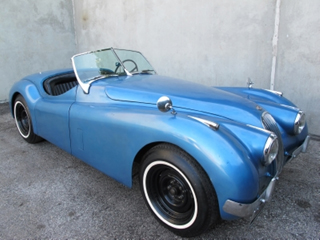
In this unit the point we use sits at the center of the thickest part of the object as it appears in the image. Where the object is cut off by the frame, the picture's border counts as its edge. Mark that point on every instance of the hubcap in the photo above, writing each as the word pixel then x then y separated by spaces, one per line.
pixel 174 191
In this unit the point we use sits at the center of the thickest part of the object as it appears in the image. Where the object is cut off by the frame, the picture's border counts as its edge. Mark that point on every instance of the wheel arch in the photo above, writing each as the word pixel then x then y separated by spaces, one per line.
pixel 12 100
pixel 139 156
pixel 31 95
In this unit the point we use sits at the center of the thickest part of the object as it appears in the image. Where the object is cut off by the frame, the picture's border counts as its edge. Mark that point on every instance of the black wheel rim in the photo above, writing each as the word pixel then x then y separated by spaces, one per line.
pixel 170 195
pixel 22 119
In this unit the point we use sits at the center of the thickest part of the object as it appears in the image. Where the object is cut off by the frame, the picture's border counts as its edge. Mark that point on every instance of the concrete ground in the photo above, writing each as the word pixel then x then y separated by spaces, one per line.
pixel 45 193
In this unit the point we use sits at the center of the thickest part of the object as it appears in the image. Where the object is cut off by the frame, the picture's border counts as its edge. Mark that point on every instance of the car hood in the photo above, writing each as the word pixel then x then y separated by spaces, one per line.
pixel 184 94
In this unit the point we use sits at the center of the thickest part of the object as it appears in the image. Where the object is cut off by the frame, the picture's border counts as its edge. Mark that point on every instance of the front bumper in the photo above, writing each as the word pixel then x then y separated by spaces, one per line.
pixel 302 148
pixel 244 210
pixel 251 210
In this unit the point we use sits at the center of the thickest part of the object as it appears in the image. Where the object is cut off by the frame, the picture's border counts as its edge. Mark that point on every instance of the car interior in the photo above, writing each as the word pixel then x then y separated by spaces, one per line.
pixel 60 84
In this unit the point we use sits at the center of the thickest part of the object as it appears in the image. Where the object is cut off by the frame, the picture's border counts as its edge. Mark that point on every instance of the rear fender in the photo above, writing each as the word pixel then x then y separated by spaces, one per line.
pixel 31 95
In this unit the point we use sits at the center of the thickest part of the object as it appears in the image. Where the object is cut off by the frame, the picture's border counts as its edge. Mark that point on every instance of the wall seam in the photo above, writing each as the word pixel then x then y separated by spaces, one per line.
pixel 74 25
pixel 275 44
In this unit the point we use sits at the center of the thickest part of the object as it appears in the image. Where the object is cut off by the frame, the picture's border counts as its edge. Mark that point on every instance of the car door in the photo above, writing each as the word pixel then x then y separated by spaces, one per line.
pixel 52 118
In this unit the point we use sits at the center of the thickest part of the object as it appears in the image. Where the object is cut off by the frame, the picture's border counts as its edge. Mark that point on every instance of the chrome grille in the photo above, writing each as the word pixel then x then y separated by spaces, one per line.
pixel 270 124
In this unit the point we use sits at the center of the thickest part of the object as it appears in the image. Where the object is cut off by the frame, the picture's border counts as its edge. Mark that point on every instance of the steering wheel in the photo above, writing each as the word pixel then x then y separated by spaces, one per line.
pixel 128 60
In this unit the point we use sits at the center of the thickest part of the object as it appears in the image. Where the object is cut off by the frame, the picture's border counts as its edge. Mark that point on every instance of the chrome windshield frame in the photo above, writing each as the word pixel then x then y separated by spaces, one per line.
pixel 86 85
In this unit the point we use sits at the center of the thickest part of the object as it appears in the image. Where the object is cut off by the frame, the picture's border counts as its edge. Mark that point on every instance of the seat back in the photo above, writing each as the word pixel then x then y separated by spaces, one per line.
pixel 60 84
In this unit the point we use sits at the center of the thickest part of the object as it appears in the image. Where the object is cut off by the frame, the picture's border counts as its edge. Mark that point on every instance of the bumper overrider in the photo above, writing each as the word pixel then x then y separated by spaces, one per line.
pixel 251 210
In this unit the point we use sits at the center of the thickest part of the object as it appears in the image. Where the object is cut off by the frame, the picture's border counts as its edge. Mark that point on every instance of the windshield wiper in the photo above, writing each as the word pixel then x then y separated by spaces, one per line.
pixel 101 77
pixel 147 71
pixel 95 78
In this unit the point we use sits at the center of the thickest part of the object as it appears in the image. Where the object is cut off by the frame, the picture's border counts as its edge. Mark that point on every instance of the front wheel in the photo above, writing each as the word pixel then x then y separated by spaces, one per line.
pixel 23 120
pixel 178 191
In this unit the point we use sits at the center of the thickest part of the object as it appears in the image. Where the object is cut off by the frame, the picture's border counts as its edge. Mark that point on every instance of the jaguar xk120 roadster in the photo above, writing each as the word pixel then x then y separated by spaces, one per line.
pixel 203 153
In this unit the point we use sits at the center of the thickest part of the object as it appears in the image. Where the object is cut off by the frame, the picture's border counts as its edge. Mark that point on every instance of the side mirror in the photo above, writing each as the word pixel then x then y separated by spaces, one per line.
pixel 164 104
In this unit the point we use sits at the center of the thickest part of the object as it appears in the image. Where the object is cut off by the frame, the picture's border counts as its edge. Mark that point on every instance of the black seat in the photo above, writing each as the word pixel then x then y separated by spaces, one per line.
pixel 60 84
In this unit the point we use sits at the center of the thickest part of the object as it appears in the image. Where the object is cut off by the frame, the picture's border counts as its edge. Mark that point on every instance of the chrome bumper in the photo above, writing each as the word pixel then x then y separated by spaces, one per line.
pixel 252 210
pixel 302 148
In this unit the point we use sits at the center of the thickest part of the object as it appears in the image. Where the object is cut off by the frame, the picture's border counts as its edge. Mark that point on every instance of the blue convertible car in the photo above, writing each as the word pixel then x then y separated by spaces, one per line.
pixel 203 153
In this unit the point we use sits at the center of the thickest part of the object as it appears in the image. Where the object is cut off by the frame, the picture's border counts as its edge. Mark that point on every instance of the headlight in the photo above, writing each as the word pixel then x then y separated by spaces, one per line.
pixel 271 149
pixel 299 123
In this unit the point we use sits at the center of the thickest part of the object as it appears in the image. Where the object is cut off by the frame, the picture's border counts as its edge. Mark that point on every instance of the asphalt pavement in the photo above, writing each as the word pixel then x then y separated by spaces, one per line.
pixel 45 193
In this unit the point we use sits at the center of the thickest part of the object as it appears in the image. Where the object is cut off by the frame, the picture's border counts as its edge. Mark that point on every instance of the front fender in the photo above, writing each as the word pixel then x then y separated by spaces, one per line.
pixel 31 95
pixel 230 156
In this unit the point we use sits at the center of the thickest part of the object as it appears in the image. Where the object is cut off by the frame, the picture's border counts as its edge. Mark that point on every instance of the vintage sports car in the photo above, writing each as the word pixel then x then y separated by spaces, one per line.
pixel 203 153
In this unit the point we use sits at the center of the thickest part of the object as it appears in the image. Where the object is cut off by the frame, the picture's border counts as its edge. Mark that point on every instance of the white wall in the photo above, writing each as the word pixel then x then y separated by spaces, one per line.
pixel 34 36
pixel 218 43
pixel 212 42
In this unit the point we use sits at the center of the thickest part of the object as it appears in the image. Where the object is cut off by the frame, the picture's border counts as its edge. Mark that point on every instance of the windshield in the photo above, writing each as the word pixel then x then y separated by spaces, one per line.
pixel 92 66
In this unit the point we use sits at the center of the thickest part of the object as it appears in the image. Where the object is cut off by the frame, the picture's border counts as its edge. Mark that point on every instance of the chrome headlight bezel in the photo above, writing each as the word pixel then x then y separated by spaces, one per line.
pixel 299 123
pixel 271 150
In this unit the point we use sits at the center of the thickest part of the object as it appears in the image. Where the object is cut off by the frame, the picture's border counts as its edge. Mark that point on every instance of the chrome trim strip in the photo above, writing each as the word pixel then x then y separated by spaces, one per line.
pixel 250 209
pixel 280 94
pixel 210 124
pixel 259 128
pixel 88 52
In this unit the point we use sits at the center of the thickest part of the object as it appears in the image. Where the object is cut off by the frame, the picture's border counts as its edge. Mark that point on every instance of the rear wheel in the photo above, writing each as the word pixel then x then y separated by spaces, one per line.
pixel 178 191
pixel 23 120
